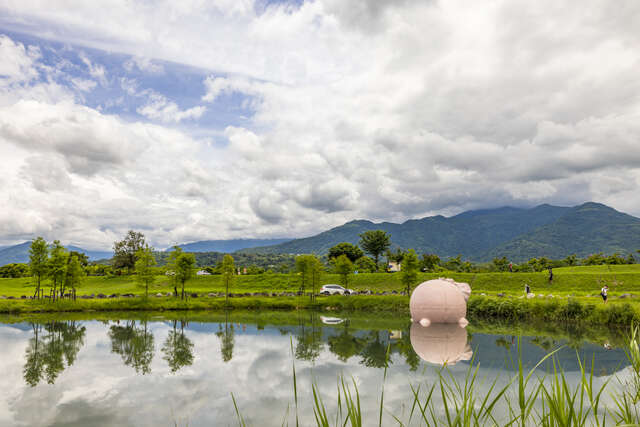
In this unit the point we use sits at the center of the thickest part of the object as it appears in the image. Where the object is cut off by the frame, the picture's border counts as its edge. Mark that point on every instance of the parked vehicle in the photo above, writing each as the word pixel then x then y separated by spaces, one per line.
pixel 335 289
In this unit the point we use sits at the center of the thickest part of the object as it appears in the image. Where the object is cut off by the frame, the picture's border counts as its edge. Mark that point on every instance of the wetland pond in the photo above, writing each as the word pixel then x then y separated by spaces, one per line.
pixel 181 369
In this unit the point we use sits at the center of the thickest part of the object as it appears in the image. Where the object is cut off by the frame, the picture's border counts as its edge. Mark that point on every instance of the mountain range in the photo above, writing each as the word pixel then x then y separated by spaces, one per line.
pixel 227 246
pixel 480 235
pixel 20 253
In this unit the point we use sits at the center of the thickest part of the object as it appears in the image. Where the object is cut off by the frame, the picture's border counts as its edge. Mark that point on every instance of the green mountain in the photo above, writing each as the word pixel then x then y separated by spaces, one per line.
pixel 226 246
pixel 20 253
pixel 480 235
pixel 583 230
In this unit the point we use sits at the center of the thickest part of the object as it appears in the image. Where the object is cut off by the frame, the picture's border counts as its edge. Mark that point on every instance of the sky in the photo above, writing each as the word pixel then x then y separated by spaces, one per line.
pixel 225 119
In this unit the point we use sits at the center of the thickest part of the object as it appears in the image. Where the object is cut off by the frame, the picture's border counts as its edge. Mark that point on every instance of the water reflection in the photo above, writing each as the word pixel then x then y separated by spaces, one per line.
pixel 52 344
pixel 308 338
pixel 134 343
pixel 197 362
pixel 177 348
pixel 441 343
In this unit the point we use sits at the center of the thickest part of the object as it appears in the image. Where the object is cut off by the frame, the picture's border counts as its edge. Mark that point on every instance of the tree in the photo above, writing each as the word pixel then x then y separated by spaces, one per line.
pixel 74 275
pixel 38 261
pixel 344 267
pixel 364 264
pixel 184 269
pixel 501 264
pixel 396 256
pixel 58 267
pixel 409 272
pixel 124 251
pixel 310 269
pixel 228 274
pixel 571 260
pixel 15 270
pixel 375 242
pixel 430 262
pixel 352 252
pixel 82 257
pixel 144 268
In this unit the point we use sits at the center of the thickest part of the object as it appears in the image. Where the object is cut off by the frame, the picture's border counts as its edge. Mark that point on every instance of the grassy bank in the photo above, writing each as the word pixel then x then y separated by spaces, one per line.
pixel 566 310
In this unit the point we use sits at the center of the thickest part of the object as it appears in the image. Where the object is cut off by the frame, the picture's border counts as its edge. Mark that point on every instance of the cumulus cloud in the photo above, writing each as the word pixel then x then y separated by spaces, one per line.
pixel 378 111
pixel 160 108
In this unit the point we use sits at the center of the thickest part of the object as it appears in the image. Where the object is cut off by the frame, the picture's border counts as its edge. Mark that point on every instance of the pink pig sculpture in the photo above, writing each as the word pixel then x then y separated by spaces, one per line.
pixel 440 301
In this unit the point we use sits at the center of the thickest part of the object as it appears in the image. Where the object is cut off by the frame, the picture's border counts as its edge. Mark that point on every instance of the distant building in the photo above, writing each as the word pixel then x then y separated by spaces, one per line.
pixel 393 266
pixel 203 273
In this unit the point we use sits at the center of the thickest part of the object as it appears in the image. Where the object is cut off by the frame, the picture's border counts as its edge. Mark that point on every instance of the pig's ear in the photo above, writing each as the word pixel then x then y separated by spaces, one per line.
pixel 465 289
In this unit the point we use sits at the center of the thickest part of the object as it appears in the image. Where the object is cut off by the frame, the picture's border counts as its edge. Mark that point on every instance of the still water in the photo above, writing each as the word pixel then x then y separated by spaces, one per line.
pixel 156 370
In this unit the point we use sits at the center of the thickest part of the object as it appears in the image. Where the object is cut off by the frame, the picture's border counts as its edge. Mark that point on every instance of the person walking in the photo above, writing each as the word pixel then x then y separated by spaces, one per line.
pixel 603 293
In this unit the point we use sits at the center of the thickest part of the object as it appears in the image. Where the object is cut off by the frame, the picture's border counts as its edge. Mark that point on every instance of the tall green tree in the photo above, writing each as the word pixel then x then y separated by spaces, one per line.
pixel 344 267
pixel 58 266
pixel 375 242
pixel 144 268
pixel 184 269
pixel 38 261
pixel 124 251
pixel 409 271
pixel 75 274
pixel 228 274
pixel 310 269
pixel 352 252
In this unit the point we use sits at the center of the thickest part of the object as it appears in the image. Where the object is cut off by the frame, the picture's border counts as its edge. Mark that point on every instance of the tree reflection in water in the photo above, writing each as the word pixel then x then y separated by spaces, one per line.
pixel 345 345
pixel 308 339
pixel 227 337
pixel 178 348
pixel 54 346
pixel 134 344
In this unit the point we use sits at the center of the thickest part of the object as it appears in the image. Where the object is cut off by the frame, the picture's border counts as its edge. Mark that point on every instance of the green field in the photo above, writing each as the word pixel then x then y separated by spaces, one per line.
pixel 576 281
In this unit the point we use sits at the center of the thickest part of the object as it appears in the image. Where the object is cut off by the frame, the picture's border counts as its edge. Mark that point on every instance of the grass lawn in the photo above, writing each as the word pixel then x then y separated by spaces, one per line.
pixel 578 281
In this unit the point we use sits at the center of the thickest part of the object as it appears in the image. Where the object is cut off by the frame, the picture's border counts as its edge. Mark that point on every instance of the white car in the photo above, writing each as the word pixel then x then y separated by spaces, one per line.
pixel 335 289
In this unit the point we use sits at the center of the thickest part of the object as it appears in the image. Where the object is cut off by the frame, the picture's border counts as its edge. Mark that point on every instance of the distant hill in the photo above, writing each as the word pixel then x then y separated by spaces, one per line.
pixel 20 253
pixel 480 235
pixel 227 246
pixel 583 230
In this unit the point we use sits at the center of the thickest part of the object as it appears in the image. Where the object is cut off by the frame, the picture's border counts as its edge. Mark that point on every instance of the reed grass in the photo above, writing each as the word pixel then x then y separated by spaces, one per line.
pixel 532 398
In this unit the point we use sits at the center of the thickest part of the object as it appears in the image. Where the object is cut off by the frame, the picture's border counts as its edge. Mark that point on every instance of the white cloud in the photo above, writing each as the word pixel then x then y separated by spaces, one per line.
pixel 143 64
pixel 84 85
pixel 379 111
pixel 96 71
pixel 160 108
pixel 18 61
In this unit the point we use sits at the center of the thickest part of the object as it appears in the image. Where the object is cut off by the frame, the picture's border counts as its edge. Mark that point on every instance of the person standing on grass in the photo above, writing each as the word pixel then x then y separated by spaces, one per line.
pixel 550 274
pixel 527 289
pixel 603 293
